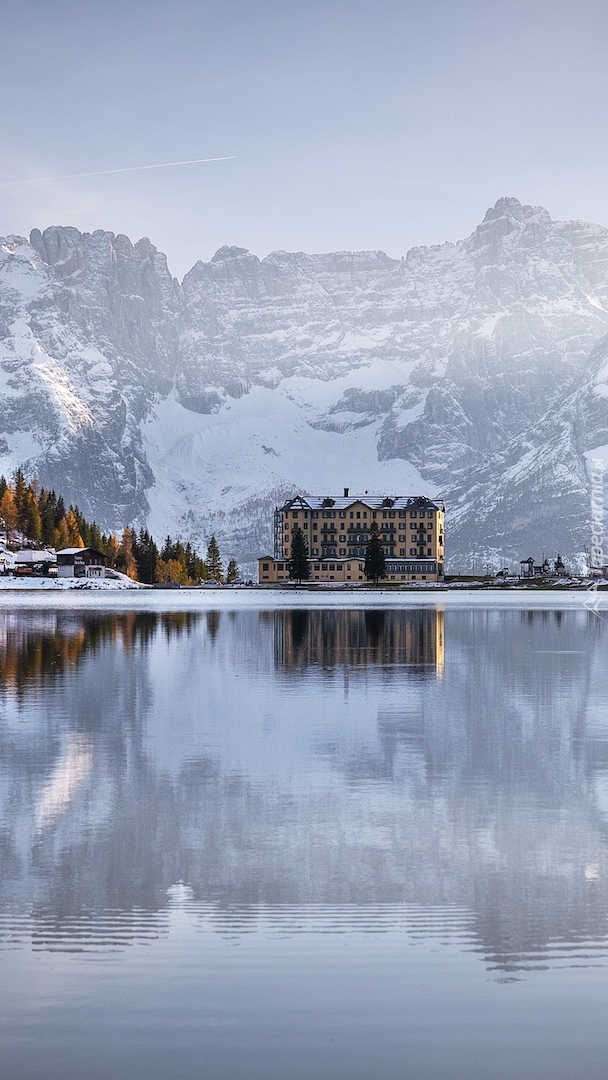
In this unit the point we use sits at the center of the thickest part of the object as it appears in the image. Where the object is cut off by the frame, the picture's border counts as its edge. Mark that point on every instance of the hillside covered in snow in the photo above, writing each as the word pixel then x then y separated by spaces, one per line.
pixel 476 371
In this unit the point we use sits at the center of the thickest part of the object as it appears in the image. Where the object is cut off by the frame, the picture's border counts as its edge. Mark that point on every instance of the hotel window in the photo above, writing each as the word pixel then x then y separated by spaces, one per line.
pixel 413 513
pixel 294 513
pixel 305 524
pixel 352 514
pixel 365 514
pixel 402 551
pixel 265 566
pixel 412 551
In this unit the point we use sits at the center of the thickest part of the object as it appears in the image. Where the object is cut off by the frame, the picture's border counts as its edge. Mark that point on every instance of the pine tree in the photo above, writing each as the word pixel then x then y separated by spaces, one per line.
pixel 59 511
pixel 21 501
pixel 232 572
pixel 31 518
pixel 375 563
pixel 215 570
pixel 145 553
pixel 298 564
pixel 47 503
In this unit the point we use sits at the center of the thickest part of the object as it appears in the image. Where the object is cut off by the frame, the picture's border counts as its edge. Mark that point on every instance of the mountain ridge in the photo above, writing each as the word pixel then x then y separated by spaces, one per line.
pixel 188 406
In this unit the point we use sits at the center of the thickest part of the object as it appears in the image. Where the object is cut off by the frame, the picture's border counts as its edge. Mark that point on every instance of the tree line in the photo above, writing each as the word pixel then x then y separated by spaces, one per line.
pixel 375 563
pixel 42 518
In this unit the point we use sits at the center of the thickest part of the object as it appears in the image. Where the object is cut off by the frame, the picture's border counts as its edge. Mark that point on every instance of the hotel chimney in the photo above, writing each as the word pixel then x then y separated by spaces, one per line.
pixel 346 493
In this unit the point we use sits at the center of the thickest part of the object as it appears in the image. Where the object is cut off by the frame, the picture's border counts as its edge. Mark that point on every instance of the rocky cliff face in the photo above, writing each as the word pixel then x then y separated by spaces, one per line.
pixel 90 328
pixel 465 370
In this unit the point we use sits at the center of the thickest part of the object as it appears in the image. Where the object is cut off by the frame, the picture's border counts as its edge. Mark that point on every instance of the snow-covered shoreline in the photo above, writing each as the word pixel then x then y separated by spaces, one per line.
pixel 146 599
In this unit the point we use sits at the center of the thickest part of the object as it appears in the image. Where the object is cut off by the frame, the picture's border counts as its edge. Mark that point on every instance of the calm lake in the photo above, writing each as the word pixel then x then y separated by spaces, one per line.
pixel 303 845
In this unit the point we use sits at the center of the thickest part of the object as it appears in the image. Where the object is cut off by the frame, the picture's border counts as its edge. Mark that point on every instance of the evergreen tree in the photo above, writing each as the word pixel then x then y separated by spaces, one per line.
pixel 21 501
pixel 215 570
pixel 298 564
pixel 60 511
pixel 375 563
pixel 31 524
pixel 197 570
pixel 47 503
pixel 3 486
pixel 145 553
pixel 232 572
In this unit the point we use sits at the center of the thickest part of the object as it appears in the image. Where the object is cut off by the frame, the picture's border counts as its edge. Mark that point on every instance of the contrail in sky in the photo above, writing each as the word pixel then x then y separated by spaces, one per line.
pixel 111 172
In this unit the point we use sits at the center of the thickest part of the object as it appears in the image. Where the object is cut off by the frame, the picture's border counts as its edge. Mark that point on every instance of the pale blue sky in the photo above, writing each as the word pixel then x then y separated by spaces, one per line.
pixel 354 125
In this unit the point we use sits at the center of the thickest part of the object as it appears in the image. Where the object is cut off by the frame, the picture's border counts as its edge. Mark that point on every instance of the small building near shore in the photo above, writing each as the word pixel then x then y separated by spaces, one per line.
pixel 81 563
pixel 32 561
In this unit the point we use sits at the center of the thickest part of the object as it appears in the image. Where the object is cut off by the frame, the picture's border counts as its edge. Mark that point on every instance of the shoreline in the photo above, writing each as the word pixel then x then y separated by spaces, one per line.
pixel 264 599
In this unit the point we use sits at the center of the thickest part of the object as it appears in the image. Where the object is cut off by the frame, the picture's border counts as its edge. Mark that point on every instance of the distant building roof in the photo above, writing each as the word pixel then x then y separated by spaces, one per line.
pixel 32 555
pixel 78 551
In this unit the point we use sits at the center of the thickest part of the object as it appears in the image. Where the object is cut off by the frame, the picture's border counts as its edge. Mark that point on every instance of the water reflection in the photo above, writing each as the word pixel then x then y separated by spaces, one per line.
pixel 359 638
pixel 460 786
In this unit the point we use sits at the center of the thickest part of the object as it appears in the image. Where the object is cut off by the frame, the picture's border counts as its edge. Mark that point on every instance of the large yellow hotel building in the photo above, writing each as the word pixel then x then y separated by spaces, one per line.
pixel 337 532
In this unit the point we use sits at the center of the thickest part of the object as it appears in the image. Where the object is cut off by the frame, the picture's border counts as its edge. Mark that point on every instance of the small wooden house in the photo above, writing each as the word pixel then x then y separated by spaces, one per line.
pixel 81 563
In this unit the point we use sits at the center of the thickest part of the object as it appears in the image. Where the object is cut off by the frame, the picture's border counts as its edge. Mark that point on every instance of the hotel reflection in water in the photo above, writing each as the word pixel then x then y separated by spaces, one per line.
pixel 329 639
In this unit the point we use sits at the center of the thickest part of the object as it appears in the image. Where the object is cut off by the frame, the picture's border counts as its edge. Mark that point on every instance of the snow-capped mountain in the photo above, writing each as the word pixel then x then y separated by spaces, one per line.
pixel 455 370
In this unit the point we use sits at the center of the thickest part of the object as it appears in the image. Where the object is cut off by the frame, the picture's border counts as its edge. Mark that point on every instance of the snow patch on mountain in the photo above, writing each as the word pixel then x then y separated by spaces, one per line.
pixel 253 452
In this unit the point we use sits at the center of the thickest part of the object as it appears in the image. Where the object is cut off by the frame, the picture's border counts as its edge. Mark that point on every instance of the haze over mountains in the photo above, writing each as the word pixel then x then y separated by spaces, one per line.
pixel 477 371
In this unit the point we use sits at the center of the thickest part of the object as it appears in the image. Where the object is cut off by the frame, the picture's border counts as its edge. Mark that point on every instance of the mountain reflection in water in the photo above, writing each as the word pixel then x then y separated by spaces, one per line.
pixel 440 774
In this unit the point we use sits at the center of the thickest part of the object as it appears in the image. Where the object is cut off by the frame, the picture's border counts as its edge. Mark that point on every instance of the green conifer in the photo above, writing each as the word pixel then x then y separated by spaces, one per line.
pixel 375 563
pixel 299 569
pixel 215 570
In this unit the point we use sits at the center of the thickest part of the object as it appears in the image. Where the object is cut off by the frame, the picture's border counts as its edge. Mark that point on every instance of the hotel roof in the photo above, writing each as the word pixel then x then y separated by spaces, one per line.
pixel 374 502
